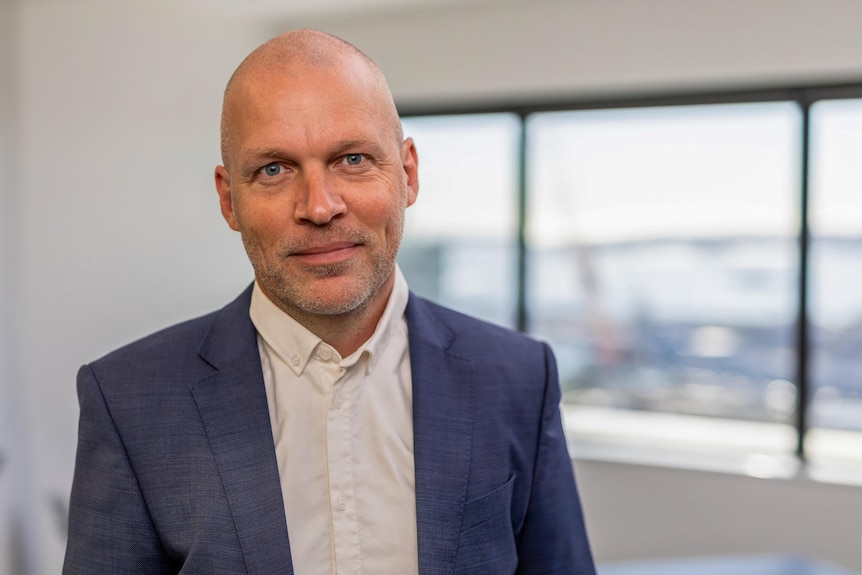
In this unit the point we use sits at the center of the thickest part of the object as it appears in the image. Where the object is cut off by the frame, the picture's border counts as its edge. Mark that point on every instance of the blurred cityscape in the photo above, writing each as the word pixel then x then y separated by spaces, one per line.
pixel 694 326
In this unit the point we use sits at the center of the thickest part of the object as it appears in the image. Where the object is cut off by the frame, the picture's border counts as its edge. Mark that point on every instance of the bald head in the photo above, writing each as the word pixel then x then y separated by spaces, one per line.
pixel 291 55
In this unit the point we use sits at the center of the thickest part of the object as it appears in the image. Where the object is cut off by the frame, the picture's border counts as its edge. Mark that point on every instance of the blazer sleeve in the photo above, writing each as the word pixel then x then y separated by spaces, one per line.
pixel 110 530
pixel 553 539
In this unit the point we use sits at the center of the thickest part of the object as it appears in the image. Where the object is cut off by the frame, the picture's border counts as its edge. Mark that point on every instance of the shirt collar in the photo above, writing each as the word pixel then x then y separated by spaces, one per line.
pixel 295 344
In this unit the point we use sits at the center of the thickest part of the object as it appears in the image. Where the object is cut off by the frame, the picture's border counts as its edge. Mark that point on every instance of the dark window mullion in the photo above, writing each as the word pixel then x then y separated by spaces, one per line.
pixel 802 323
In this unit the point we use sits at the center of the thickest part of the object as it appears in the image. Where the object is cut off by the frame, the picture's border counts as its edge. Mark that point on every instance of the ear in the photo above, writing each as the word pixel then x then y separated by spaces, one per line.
pixel 222 182
pixel 410 162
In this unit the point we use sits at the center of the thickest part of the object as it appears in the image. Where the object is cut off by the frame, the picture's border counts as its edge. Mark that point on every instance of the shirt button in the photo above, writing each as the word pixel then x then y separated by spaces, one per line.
pixel 342 504
pixel 339 401
pixel 294 359
pixel 325 354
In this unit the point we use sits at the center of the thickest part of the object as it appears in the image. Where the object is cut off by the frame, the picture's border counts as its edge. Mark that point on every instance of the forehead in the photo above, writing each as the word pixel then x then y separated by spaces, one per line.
pixel 310 103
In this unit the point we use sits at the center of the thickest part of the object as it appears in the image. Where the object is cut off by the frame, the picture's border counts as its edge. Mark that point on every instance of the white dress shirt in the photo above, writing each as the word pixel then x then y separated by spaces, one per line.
pixel 343 432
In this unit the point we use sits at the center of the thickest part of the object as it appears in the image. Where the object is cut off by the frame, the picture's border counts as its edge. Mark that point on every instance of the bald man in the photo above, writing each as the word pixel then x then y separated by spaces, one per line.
pixel 327 420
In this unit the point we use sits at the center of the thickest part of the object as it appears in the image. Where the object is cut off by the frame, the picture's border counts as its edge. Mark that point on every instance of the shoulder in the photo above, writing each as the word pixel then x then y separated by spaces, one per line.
pixel 187 333
pixel 183 343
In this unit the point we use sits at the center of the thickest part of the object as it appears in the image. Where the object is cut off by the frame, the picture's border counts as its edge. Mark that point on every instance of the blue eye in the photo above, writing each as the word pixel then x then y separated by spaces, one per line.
pixel 353 159
pixel 272 169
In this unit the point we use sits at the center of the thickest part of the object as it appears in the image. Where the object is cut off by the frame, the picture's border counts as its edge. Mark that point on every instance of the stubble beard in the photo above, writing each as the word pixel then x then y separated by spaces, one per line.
pixel 291 295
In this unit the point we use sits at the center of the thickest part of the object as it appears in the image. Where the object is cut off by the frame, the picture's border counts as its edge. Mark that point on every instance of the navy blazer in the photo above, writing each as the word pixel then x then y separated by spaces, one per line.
pixel 176 469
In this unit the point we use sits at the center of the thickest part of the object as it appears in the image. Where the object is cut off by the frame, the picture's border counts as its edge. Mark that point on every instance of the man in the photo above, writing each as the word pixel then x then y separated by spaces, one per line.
pixel 326 421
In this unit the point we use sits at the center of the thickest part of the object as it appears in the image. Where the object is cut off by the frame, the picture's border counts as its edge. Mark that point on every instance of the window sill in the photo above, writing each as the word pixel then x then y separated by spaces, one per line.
pixel 754 449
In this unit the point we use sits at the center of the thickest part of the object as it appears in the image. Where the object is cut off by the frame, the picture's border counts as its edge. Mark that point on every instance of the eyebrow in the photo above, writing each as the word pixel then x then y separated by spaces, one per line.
pixel 263 153
pixel 350 144
pixel 340 147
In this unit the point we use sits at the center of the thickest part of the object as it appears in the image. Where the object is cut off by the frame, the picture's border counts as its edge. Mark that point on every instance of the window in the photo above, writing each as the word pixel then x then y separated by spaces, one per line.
pixel 658 246
pixel 459 246
pixel 662 256
pixel 835 407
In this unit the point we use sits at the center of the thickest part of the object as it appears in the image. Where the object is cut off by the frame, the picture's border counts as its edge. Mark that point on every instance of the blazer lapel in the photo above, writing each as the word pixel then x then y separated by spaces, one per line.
pixel 233 408
pixel 443 404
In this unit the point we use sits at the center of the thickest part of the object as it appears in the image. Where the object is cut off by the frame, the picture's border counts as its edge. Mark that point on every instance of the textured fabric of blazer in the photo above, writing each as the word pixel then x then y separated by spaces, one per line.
pixel 176 469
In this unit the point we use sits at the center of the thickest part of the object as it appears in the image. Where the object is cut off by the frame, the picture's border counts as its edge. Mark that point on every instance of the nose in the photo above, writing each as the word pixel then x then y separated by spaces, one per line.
pixel 318 202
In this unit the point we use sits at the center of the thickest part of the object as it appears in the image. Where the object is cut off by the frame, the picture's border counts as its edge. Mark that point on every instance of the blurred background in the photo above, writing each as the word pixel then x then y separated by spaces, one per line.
pixel 668 191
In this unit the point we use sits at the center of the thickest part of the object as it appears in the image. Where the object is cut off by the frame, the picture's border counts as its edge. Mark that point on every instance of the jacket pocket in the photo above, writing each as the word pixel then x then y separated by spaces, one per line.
pixel 488 506
pixel 486 544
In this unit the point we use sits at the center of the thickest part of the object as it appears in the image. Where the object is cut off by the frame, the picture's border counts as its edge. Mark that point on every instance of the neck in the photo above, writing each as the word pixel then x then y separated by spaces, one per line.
pixel 346 332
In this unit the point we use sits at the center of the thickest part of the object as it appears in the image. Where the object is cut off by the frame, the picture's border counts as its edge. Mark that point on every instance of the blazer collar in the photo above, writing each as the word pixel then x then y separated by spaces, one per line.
pixel 232 334
pixel 233 408
pixel 443 406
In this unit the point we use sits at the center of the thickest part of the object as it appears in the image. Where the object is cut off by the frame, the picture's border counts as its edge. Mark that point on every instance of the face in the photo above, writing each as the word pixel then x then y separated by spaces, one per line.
pixel 317 184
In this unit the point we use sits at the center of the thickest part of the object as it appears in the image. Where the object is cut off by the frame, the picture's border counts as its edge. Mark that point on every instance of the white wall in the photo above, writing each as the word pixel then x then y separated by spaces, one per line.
pixel 116 224
pixel 11 448
pixel 567 48
pixel 110 227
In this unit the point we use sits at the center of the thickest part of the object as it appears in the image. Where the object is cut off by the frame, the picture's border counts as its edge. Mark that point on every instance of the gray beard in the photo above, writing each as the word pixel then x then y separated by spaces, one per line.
pixel 292 296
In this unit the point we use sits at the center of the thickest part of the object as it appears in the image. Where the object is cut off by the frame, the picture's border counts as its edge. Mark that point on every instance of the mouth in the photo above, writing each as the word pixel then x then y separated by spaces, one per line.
pixel 330 253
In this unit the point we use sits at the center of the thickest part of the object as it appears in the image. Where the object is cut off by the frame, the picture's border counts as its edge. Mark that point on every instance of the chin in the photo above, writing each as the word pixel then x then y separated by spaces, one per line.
pixel 332 296
pixel 331 307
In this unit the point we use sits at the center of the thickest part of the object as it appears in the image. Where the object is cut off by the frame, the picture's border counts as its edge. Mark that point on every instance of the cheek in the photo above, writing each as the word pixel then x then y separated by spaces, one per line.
pixel 258 237
pixel 387 216
pixel 395 225
pixel 373 209
pixel 260 221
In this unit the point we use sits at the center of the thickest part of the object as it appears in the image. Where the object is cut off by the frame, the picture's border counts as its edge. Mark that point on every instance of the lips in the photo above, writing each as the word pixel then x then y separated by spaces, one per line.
pixel 325 249
pixel 326 254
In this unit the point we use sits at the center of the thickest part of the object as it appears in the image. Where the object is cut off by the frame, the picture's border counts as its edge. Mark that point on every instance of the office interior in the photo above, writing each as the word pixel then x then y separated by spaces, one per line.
pixel 110 229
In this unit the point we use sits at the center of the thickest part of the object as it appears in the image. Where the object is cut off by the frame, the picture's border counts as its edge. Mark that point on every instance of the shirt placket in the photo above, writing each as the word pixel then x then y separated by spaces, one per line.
pixel 340 464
